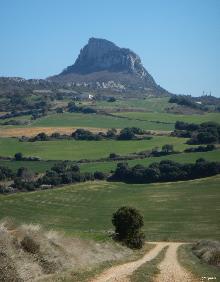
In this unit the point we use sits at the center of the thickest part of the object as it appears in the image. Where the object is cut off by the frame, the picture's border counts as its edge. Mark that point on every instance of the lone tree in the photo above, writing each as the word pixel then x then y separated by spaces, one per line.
pixel 18 156
pixel 128 222
pixel 167 148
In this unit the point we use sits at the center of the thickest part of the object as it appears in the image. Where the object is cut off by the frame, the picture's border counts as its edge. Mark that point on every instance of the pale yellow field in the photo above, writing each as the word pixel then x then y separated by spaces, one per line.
pixel 18 132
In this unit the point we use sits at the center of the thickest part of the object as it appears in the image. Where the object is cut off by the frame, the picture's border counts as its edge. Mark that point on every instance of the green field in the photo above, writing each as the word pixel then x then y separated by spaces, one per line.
pixel 76 150
pixel 184 210
pixel 171 118
pixel 96 120
pixel 42 166
pixel 38 166
pixel 181 158
pixel 147 121
pixel 153 104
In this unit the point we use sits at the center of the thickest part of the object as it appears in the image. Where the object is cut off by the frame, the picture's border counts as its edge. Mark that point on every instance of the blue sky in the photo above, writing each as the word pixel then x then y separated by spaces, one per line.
pixel 177 40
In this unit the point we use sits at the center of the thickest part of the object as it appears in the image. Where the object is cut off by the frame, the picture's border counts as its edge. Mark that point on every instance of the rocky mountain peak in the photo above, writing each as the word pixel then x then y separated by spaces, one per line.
pixel 102 64
pixel 101 54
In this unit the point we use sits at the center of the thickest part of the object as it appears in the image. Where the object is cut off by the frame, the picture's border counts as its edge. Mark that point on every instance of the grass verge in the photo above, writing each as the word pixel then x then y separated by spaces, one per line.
pixel 148 271
pixel 84 275
pixel 199 269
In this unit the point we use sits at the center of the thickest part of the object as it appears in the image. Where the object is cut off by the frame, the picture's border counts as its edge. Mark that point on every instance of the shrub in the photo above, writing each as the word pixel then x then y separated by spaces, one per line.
pixel 6 173
pixel 126 134
pixel 112 99
pixel 113 156
pixel 29 245
pixel 18 156
pixel 135 240
pixel 128 222
pixel 168 148
pixel 99 175
pixel 111 133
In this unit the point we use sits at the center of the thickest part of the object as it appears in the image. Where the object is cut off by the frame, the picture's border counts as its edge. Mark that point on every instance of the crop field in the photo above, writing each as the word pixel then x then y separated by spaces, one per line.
pixel 181 158
pixel 185 210
pixel 36 166
pixel 171 118
pixel 97 120
pixel 76 150
pixel 148 105
pixel 42 166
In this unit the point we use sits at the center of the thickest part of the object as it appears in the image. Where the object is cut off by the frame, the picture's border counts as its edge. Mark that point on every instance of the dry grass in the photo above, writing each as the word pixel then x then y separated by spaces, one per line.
pixel 53 255
pixel 32 131
pixel 208 251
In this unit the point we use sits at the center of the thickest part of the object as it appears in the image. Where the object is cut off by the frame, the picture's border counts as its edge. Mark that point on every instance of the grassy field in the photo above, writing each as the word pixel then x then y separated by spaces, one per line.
pixel 181 158
pixel 75 150
pixel 42 166
pixel 171 118
pixel 96 120
pixel 186 210
pixel 153 104
pixel 39 166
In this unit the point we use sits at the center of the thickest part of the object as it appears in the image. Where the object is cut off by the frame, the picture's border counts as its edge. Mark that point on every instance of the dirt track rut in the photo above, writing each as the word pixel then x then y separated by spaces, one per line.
pixel 170 269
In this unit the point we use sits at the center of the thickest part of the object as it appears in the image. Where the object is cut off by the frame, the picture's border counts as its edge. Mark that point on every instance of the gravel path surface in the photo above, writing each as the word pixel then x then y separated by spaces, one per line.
pixel 170 269
pixel 120 272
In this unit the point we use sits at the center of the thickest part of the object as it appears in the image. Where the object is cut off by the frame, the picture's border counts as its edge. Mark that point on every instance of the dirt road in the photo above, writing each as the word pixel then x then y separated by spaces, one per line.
pixel 170 269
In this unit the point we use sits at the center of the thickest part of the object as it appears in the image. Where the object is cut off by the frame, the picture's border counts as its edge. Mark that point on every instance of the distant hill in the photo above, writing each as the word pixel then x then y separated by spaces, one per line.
pixel 102 64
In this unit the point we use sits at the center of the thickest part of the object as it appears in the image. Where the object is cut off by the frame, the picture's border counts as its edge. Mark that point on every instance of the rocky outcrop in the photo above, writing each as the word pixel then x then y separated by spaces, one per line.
pixel 101 62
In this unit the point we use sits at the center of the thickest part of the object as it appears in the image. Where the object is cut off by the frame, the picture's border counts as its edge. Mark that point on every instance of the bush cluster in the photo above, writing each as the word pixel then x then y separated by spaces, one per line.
pixel 128 133
pixel 187 101
pixel 206 148
pixel 6 173
pixel 166 170
pixel 73 108
pixel 204 133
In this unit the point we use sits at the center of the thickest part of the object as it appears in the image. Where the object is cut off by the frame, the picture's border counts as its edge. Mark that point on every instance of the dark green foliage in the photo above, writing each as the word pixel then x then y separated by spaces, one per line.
pixel 112 99
pixel 128 222
pixel 181 125
pixel 5 173
pixel 166 170
pixel 18 156
pixel 73 108
pixel 113 156
pixel 82 134
pixel 205 133
pixel 126 134
pixel 100 175
pixel 187 101
pixel 207 148
pixel 129 133
pixel 167 148
pixel 64 173
pixel 111 133
pixel 40 137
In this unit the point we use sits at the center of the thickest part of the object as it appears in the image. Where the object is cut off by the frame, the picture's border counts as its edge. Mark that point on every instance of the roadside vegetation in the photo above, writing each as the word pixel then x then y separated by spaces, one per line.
pixel 200 267
pixel 29 252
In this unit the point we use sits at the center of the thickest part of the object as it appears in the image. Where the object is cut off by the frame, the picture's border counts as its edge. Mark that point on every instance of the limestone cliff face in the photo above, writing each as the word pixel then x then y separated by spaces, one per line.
pixel 101 54
pixel 101 61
